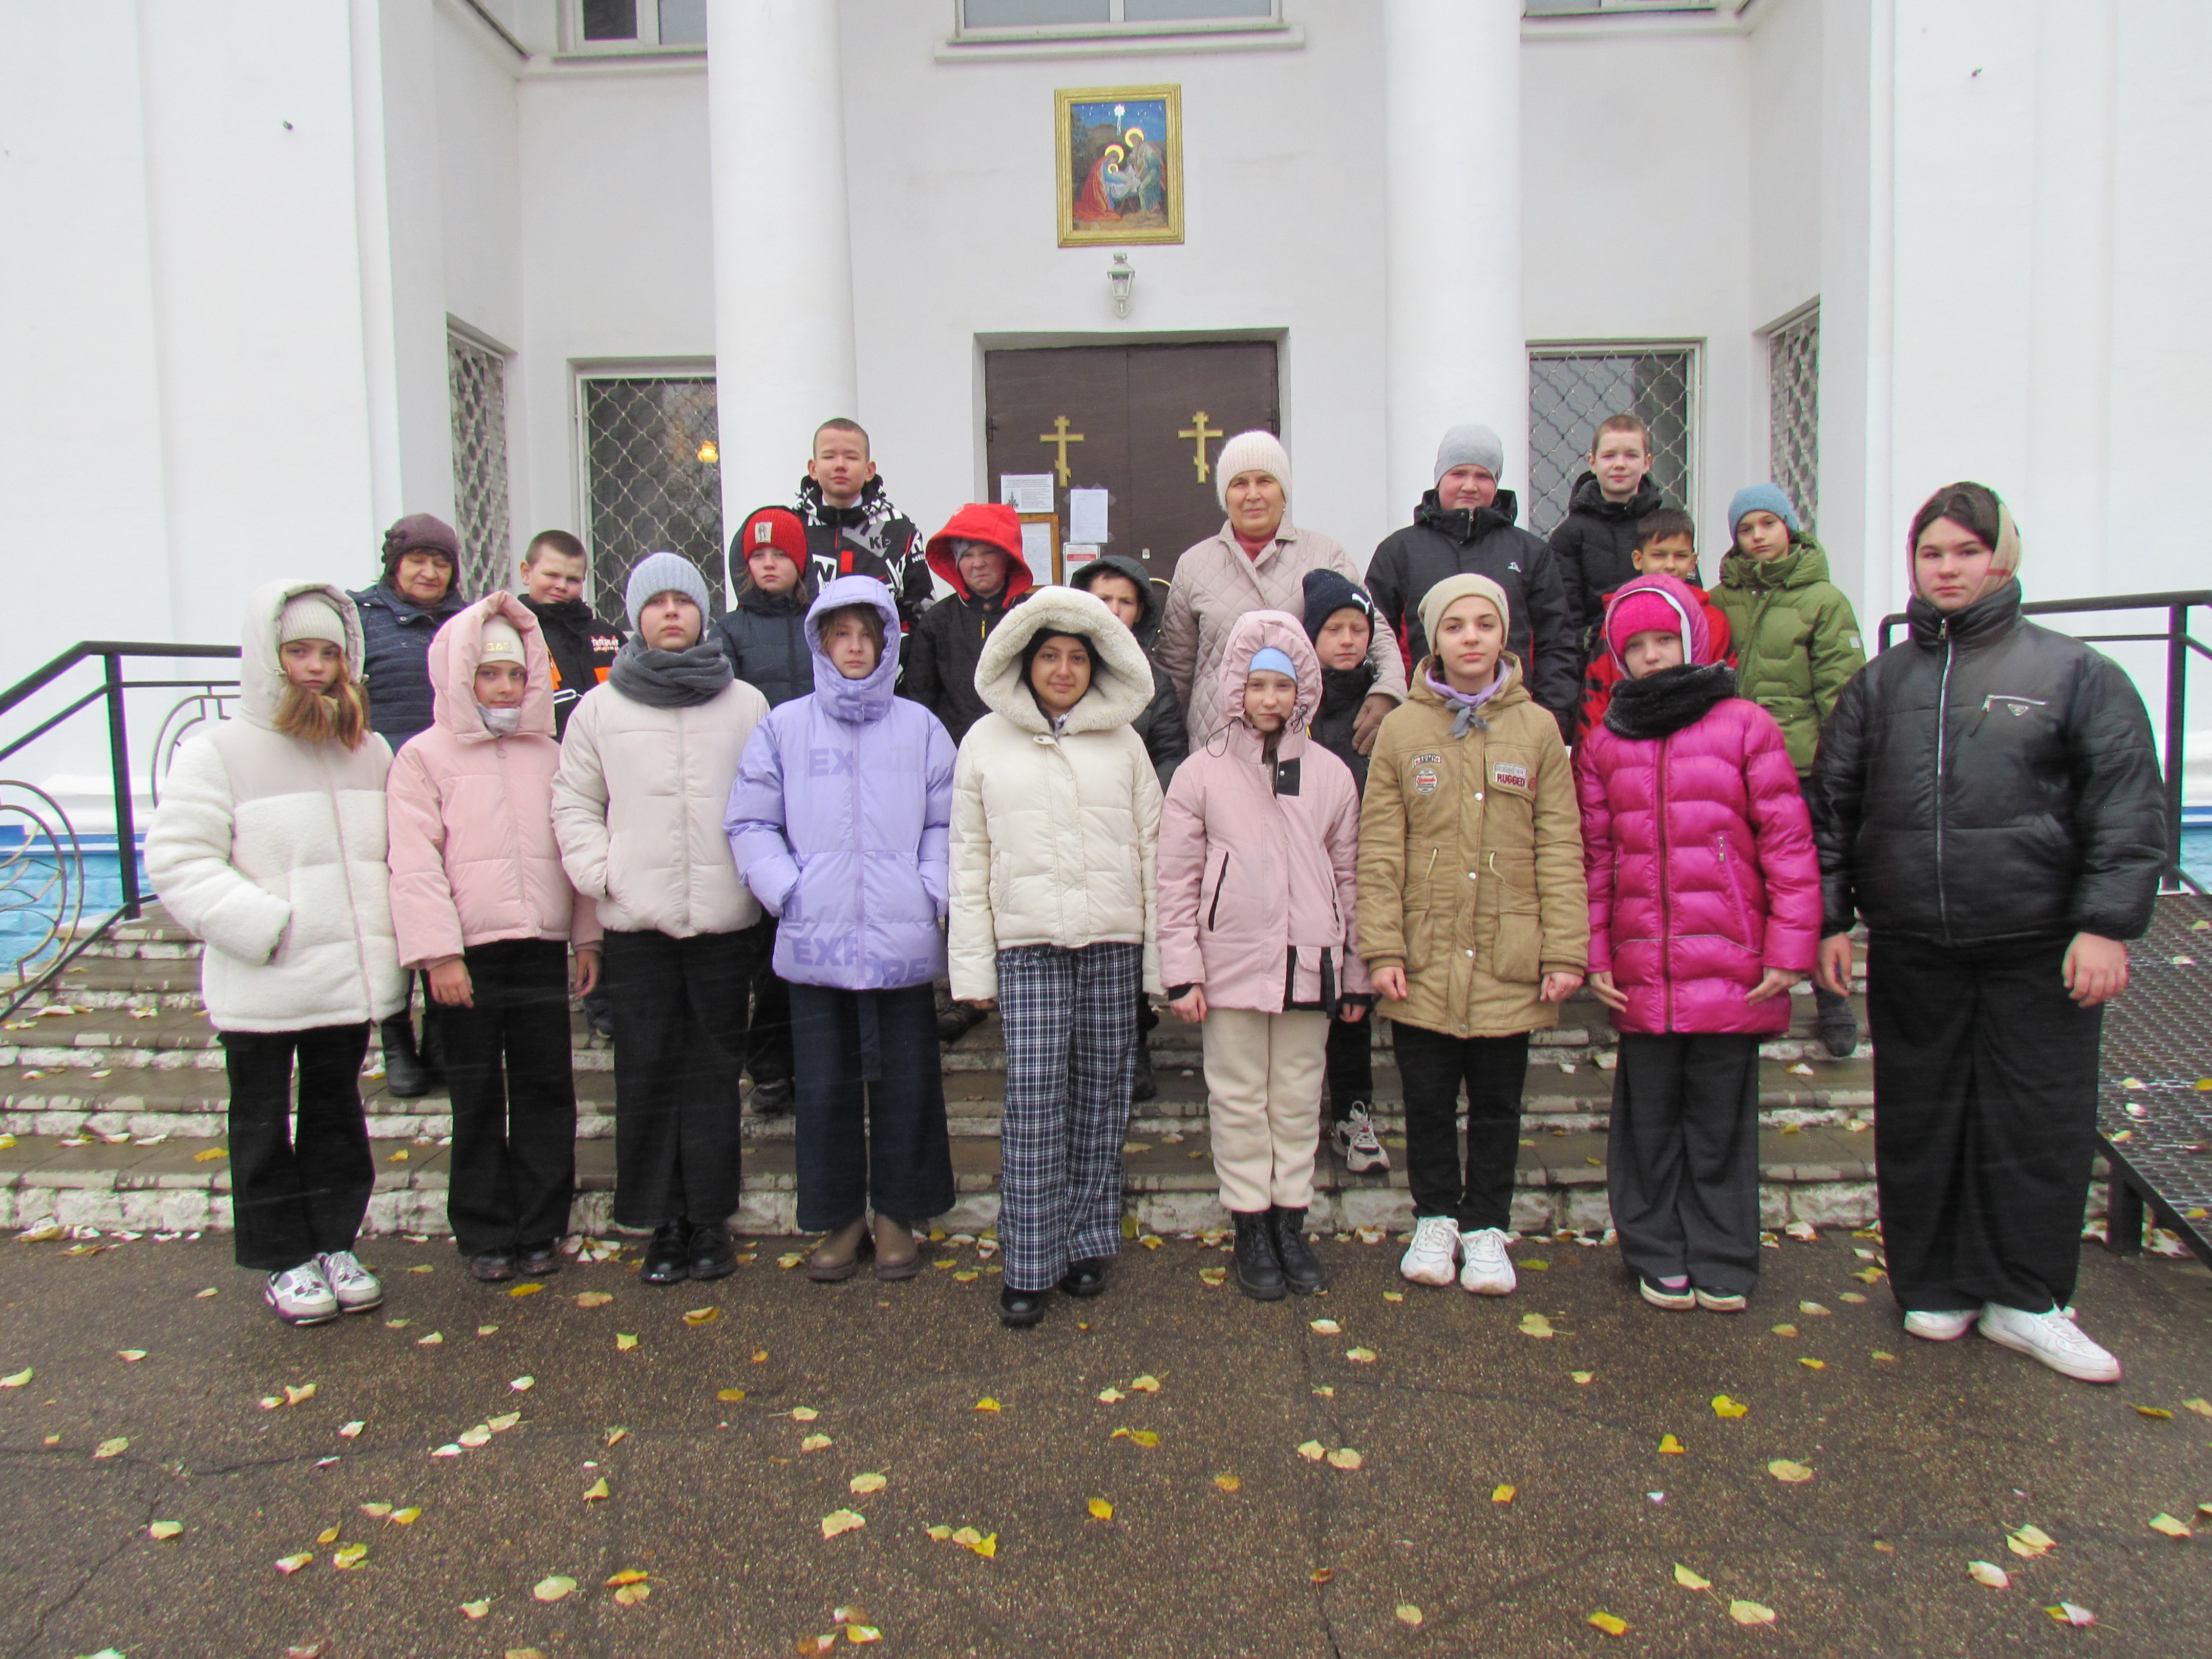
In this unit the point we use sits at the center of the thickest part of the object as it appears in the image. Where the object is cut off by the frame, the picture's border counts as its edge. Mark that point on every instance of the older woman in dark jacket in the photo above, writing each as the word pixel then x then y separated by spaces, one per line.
pixel 1987 796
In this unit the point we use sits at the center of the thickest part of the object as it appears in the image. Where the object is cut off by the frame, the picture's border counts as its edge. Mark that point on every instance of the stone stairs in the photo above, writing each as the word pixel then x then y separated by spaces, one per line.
pixel 114 1096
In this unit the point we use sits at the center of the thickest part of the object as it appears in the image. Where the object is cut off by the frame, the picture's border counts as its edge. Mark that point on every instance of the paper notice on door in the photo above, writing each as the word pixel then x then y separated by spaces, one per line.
pixel 1086 515
pixel 1078 553
pixel 1037 550
pixel 1026 492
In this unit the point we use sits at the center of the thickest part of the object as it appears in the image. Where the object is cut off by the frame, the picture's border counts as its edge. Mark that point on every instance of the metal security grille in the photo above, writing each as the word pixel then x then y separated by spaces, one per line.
pixel 652 479
pixel 1793 410
pixel 476 376
pixel 1572 388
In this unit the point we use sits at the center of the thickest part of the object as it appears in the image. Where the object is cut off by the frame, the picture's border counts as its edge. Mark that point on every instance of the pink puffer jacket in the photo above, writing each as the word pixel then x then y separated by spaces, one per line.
pixel 1257 865
pixel 1702 873
pixel 471 814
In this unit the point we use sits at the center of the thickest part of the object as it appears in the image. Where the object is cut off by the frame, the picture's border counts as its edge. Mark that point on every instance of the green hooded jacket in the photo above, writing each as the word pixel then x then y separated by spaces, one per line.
pixel 1795 637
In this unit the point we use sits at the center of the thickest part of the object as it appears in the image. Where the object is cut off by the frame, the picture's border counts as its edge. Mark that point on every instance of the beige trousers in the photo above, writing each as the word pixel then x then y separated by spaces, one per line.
pixel 1263 1079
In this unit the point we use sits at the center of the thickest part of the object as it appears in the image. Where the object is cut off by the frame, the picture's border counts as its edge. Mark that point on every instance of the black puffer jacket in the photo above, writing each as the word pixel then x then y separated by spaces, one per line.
pixel 765 637
pixel 1988 781
pixel 1167 739
pixel 1483 541
pixel 582 646
pixel 1592 544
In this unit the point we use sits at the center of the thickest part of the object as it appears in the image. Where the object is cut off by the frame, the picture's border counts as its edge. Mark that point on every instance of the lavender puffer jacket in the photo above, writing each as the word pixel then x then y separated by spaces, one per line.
pixel 839 819
pixel 1702 874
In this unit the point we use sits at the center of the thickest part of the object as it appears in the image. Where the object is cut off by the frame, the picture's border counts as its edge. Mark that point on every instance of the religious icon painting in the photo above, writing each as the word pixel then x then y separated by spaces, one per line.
pixel 1121 165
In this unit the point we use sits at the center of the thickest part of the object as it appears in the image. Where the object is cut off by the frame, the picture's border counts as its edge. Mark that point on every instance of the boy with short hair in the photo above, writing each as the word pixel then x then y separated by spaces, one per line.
pixel 1666 546
pixel 852 528
pixel 1797 646
pixel 1596 543
pixel 555 568
pixel 1340 620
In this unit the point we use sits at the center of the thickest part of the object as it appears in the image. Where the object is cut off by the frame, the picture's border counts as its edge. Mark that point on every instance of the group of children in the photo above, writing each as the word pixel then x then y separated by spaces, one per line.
pixel 830 803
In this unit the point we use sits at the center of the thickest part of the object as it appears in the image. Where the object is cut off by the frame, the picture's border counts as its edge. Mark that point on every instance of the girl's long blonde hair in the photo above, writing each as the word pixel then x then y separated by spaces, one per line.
pixel 338 715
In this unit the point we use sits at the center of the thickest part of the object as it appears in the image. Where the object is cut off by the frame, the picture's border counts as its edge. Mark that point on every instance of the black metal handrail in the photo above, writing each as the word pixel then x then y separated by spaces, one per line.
pixel 2178 644
pixel 111 655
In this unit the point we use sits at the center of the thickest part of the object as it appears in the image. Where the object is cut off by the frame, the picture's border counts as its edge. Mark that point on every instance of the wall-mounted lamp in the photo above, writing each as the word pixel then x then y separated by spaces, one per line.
pixel 708 454
pixel 1122 277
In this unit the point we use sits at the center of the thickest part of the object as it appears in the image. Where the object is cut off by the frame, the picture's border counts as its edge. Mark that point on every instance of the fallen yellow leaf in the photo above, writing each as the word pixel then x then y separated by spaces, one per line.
pixel 624 1342
pixel 436 1339
pixel 503 1422
pixel 1812 1364
pixel 1146 1384
pixel 518 1291
pixel 1360 1355
pixel 475 1609
pixel 597 1490
pixel 1793 1474
pixel 131 1356
pixel 988 1404
pixel 1408 1614
pixel 1502 1494
pixel 940 1533
pixel 1344 1458
pixel 209 1155
pixel 838 1521
pixel 702 1315
pixel 2202 1407
pixel 2173 1529
pixel 1582 1379
pixel 376 1511
pixel 328 1535
pixel 406 1517
pixel 1608 1624
pixel 1144 1437
pixel 731 1396
pixel 1214 1275
pixel 630 1595
pixel 299 1395
pixel 523 1384
pixel 1784 1330
pixel 1813 1308
pixel 986 1546
pixel 1689 1580
pixel 2158 1411
pixel 1750 1612
pixel 816 1443
pixel 1988 1572
pixel 1313 1451
pixel 1394 1296
pixel 1324 1327
pixel 1534 1324
pixel 1100 1510
pixel 1670 1446
pixel 1724 1407
pixel 804 1413
pixel 616 1434
pixel 858 1634
pixel 862 1485
pixel 114 1448
pixel 759 1356
pixel 1228 1482
pixel 289 1564
pixel 350 1556
pixel 162 1530
pixel 2067 1613
pixel 2030 1542
pixel 966 1276
pixel 553 1588
pixel 16 1379
pixel 627 1576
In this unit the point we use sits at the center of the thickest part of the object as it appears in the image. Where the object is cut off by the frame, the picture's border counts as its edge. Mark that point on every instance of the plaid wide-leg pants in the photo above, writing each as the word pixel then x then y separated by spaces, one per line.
pixel 1070 1027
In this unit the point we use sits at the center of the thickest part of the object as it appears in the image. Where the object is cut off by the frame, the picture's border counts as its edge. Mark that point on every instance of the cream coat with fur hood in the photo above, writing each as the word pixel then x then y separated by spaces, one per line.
pixel 1055 838
pixel 271 851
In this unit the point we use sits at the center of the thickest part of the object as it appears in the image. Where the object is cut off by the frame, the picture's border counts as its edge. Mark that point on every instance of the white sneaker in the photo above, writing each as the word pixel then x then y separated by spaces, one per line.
pixel 356 1288
pixel 1430 1258
pixel 1358 1145
pixel 300 1296
pixel 1945 1327
pixel 2051 1338
pixel 1488 1270
pixel 1659 1295
pixel 1721 1301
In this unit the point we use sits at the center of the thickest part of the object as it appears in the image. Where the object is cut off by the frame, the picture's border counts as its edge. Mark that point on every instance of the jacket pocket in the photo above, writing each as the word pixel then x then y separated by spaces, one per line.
pixel 1420 939
pixel 1213 909
pixel 1516 953
pixel 1737 907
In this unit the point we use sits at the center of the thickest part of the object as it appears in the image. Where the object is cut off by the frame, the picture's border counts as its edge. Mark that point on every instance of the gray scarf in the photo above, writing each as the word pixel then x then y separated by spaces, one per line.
pixel 669 679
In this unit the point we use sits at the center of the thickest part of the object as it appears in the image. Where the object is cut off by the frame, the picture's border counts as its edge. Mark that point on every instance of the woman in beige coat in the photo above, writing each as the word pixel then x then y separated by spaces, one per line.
pixel 1056 832
pixel 1473 919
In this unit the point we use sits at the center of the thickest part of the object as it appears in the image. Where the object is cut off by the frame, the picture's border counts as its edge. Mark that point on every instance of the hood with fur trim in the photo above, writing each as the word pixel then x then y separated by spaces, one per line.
pixel 458 650
pixel 261 682
pixel 1121 675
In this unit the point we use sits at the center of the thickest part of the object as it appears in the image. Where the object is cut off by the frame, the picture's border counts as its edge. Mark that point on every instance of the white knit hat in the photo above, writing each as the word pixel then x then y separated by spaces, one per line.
pixel 310 616
pixel 1252 452
pixel 500 643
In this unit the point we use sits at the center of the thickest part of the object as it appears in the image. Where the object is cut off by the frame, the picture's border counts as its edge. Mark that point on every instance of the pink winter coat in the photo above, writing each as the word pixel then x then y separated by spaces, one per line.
pixel 1700 857
pixel 1257 866
pixel 471 814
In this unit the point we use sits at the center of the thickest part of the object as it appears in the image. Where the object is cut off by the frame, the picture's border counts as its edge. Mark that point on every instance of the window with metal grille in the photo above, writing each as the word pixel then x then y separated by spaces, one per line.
pixel 1793 409
pixel 652 478
pixel 476 378
pixel 1573 387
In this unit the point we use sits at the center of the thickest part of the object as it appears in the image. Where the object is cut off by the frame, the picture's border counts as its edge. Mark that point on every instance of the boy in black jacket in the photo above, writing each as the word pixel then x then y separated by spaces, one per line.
pixel 1340 620
pixel 1986 795
pixel 1596 543
pixel 582 646
pixel 852 528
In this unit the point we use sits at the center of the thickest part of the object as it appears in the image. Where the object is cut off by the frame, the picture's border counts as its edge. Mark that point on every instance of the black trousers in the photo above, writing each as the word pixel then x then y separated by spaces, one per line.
pixel 870 1108
pixel 1985 1119
pixel 1682 1167
pixel 1351 1065
pixel 679 1009
pixel 515 1096
pixel 296 1193
pixel 1433 1067
pixel 768 1045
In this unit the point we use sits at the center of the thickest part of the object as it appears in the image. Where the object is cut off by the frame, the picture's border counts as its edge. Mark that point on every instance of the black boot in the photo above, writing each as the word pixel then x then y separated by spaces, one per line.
pixel 1259 1274
pixel 1301 1269
pixel 1144 1086
pixel 668 1258
pixel 1839 1026
pixel 1020 1308
pixel 404 1074
pixel 712 1254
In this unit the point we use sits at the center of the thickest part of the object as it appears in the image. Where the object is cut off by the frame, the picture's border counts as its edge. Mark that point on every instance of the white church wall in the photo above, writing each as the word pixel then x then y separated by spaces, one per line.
pixel 1637 224
pixel 950 180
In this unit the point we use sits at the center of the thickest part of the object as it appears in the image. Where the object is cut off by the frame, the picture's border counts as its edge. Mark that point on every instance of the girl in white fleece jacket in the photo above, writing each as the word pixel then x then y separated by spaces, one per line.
pixel 269 844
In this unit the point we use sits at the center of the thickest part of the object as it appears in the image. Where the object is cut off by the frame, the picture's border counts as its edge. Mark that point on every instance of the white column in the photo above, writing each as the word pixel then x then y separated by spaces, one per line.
pixel 783 260
pixel 1454 343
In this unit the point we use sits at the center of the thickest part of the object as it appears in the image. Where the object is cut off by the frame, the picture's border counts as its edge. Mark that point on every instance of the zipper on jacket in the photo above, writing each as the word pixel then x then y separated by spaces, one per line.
pixel 1213 913
pixel 1666 906
pixel 1942 720
pixel 1736 893
pixel 353 903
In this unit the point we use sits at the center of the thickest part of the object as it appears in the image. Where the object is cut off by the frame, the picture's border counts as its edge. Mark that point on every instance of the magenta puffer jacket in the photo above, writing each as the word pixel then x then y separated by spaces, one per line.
pixel 1702 873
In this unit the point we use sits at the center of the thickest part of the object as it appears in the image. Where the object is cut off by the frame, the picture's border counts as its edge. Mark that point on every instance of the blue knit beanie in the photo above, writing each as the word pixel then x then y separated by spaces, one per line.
pixel 664 573
pixel 1762 498
pixel 1267 660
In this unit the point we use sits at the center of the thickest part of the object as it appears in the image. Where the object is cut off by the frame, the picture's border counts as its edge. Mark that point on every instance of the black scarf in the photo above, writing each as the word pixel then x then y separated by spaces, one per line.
pixel 1662 704
pixel 670 679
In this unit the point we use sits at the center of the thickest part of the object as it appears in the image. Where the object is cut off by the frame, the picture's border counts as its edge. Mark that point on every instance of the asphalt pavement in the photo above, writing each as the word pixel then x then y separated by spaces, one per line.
pixel 1507 1485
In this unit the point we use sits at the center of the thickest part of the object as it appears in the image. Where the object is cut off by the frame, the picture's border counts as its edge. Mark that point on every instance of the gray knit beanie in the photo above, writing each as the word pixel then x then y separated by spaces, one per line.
pixel 1471 444
pixel 664 573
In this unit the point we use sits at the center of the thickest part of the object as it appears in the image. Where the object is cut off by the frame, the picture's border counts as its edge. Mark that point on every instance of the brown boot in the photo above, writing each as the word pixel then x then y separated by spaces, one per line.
pixel 838 1255
pixel 897 1256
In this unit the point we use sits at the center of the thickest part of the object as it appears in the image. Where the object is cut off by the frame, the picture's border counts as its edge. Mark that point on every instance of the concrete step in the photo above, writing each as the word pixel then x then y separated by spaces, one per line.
pixel 1819 1175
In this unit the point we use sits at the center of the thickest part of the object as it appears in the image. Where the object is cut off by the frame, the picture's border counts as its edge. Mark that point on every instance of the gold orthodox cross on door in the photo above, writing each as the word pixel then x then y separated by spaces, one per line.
pixel 1199 430
pixel 1060 436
